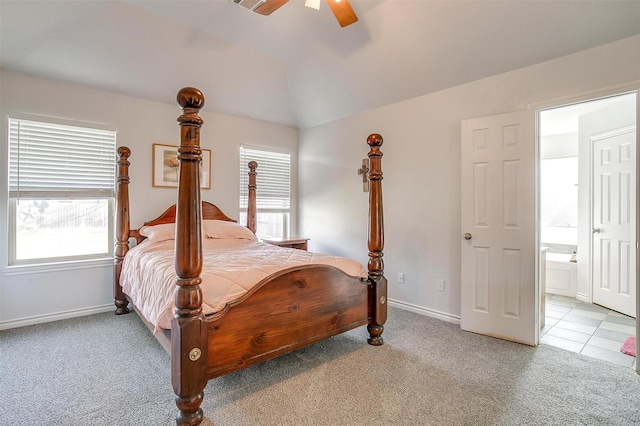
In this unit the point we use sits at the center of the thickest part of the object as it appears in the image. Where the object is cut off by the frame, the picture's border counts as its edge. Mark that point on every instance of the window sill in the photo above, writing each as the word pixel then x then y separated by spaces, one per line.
pixel 56 267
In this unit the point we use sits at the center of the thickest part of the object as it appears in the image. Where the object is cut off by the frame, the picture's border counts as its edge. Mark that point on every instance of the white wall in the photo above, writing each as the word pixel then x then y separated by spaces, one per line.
pixel 558 146
pixel 421 166
pixel 54 293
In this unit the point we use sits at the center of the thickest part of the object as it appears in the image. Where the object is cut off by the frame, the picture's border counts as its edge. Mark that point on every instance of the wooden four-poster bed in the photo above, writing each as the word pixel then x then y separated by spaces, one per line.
pixel 282 312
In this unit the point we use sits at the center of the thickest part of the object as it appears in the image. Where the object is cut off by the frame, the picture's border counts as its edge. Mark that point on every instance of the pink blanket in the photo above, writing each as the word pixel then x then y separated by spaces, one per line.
pixel 232 268
pixel 629 346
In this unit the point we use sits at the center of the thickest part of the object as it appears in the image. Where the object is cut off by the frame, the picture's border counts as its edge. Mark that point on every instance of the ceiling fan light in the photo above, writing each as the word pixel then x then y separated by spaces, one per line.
pixel 314 4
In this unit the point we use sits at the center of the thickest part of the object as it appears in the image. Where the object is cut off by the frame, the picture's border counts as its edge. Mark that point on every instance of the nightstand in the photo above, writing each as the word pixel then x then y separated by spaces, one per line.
pixel 296 243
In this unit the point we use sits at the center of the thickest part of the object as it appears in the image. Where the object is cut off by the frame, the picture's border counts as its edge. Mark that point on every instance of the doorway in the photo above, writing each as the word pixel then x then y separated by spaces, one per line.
pixel 587 212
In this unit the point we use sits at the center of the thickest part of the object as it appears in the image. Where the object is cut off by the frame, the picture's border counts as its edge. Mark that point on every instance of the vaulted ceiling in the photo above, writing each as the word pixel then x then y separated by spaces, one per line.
pixel 297 66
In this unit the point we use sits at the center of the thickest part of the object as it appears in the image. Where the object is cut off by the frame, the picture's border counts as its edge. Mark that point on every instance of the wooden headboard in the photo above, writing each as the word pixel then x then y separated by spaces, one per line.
pixel 209 212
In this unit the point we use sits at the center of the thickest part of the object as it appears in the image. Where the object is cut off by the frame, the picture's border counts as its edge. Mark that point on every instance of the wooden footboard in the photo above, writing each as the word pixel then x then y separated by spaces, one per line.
pixel 286 312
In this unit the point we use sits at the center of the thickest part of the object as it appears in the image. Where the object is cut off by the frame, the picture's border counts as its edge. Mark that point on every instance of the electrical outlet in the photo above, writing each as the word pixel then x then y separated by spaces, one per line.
pixel 400 277
pixel 440 285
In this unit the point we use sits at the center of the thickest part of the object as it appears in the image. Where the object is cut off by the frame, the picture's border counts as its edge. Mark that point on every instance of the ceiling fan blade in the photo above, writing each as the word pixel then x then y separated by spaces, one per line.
pixel 343 12
pixel 269 6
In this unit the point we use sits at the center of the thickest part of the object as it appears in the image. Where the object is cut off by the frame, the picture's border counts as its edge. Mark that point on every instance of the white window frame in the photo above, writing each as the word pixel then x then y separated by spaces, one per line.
pixel 269 185
pixel 47 189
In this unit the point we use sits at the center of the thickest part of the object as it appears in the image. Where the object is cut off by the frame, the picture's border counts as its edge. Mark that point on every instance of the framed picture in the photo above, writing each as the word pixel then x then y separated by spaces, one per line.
pixel 166 167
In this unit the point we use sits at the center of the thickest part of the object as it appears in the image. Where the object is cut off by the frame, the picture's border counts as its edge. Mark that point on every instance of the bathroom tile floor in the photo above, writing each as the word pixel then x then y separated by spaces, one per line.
pixel 588 329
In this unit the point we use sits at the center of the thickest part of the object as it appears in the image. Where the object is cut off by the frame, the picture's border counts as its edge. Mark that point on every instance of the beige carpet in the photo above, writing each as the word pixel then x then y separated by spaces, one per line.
pixel 108 370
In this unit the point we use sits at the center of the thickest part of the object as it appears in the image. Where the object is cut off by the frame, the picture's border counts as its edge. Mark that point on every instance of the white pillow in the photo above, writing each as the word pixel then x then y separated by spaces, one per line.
pixel 156 233
pixel 223 229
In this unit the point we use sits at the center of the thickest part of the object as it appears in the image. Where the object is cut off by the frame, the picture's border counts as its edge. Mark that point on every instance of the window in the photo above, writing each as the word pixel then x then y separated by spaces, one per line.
pixel 273 195
pixel 559 200
pixel 61 192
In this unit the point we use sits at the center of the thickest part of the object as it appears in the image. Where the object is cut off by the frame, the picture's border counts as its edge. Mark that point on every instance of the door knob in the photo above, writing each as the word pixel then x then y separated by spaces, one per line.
pixel 467 236
pixel 596 230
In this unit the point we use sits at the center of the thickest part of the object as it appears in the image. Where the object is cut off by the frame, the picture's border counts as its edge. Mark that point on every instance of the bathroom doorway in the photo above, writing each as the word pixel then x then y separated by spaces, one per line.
pixel 587 172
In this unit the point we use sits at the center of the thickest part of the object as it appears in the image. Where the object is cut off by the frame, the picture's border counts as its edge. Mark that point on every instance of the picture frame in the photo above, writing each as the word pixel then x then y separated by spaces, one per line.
pixel 166 167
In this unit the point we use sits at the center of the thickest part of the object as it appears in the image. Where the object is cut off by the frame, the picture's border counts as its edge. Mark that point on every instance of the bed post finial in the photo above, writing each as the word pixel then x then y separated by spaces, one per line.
pixel 378 295
pixel 122 227
pixel 190 97
pixel 188 327
pixel 251 202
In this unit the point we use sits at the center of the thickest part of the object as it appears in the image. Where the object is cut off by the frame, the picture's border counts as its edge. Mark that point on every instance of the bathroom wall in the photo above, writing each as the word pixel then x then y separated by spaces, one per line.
pixel 613 116
pixel 559 191
pixel 565 187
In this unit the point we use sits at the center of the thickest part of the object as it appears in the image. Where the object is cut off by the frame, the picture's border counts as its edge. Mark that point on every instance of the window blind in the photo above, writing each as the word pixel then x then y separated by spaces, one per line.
pixel 53 160
pixel 273 179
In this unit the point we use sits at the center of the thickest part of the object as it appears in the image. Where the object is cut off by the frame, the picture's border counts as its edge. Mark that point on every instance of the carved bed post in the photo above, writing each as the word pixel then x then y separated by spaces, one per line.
pixel 188 328
pixel 251 206
pixel 122 227
pixel 378 293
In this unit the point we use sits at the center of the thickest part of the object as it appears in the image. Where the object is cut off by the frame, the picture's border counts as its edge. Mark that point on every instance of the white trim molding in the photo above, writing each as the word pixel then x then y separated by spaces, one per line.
pixel 56 316
pixel 425 311
pixel 42 268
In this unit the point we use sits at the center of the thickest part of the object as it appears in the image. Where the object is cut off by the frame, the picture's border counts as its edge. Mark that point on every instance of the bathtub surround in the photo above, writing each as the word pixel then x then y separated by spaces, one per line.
pixel 561 274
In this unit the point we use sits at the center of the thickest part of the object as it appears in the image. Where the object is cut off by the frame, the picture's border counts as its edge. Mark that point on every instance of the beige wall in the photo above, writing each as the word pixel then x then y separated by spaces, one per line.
pixel 51 293
pixel 421 166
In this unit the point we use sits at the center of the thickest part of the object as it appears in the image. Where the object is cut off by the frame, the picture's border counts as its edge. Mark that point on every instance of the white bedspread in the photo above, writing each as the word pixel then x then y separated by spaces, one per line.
pixel 231 268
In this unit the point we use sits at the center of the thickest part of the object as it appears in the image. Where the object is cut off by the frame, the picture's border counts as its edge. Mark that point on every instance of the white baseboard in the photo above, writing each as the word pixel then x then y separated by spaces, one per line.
pixel 583 297
pixel 38 319
pixel 424 311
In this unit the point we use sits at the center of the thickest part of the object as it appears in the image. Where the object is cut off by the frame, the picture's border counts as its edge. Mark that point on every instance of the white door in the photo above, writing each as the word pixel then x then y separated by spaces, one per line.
pixel 613 213
pixel 498 271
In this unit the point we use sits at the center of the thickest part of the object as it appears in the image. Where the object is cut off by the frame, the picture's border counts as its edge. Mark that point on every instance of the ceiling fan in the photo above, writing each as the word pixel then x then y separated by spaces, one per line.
pixel 341 9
